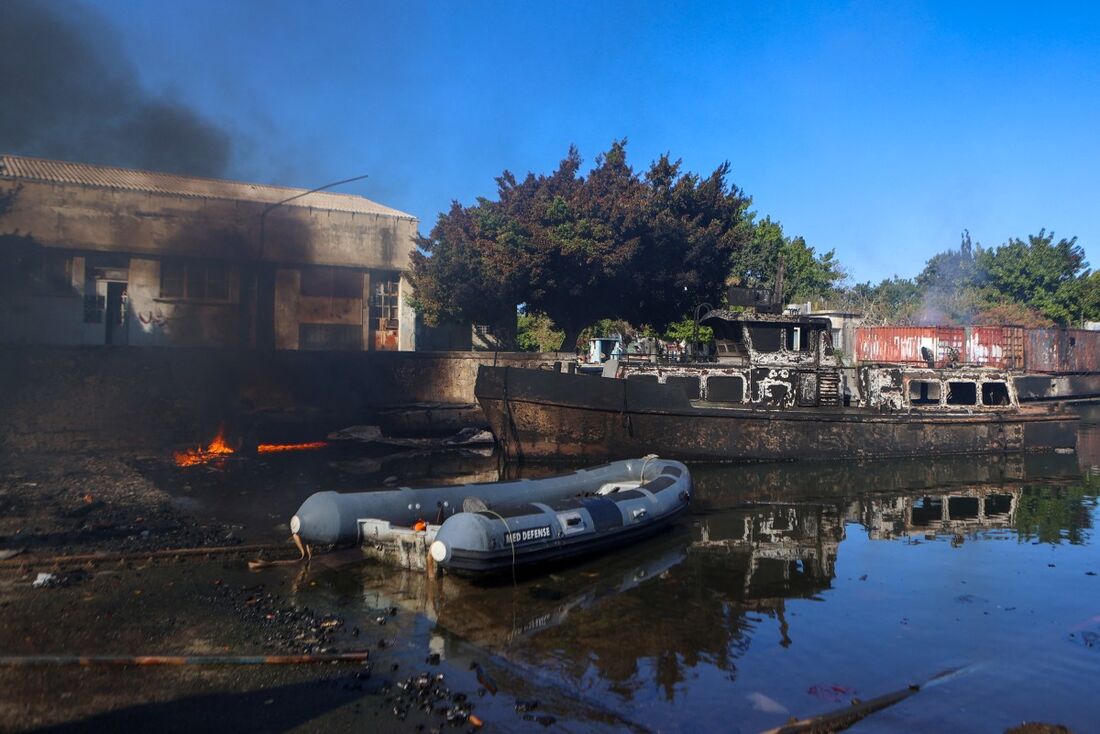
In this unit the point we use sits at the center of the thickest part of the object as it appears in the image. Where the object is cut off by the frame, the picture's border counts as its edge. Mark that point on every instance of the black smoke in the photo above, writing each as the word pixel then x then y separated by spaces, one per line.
pixel 68 92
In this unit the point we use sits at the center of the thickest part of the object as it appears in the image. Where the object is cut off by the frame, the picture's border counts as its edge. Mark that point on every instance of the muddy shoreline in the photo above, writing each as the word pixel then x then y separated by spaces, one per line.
pixel 69 505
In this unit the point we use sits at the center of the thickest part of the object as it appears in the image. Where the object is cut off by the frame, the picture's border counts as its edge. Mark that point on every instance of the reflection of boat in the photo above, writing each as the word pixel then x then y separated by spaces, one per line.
pixel 494 614
pixel 963 510
pixel 720 486
pixel 779 550
pixel 777 391
pixel 508 524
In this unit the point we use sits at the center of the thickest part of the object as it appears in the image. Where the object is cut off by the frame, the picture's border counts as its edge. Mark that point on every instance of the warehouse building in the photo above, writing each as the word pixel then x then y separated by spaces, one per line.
pixel 96 255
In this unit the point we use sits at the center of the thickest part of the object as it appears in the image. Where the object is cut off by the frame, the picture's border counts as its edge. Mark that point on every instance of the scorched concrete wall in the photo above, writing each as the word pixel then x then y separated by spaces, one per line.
pixel 151 400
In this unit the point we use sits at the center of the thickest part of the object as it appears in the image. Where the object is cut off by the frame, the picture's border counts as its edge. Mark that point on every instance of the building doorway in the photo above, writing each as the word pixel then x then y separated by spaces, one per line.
pixel 116 315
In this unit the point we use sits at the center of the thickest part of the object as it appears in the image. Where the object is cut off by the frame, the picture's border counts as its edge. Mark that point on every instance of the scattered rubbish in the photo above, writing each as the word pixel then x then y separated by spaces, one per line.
pixel 467 437
pixel 1036 727
pixel 366 434
pixel 545 720
pixel 526 705
pixel 13 552
pixel 432 659
pixel 484 678
pixel 86 508
pixel 45 580
pixel 841 719
pixel 14 661
pixel 760 702
pixel 834 693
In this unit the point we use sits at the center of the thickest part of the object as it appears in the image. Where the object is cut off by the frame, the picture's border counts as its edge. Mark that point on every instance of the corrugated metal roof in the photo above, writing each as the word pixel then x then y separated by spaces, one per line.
pixel 86 174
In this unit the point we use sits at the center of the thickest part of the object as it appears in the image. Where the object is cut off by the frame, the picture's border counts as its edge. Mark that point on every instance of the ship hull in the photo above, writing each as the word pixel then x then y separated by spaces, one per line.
pixel 537 414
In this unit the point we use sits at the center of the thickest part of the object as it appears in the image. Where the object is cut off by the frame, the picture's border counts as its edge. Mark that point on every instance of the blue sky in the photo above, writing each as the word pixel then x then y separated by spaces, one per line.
pixel 879 129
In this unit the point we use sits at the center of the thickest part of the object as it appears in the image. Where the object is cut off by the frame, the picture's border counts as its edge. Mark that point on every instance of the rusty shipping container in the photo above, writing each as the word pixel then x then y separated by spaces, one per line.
pixel 999 347
pixel 1062 350
pixel 904 344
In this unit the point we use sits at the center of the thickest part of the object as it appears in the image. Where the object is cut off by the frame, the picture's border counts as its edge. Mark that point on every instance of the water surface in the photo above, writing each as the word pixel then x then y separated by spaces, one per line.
pixel 789 590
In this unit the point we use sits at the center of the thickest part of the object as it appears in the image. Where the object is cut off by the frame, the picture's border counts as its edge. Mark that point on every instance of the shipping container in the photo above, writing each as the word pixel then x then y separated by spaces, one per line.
pixel 995 346
pixel 1000 347
pixel 909 344
pixel 1062 350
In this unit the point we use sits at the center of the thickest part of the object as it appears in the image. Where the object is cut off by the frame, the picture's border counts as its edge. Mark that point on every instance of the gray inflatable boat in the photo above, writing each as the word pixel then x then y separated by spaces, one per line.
pixel 492 528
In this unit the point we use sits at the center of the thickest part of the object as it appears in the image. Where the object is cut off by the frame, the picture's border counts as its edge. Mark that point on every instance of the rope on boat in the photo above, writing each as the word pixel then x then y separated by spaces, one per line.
pixel 84 661
pixel 305 551
pixel 510 541
pixel 647 458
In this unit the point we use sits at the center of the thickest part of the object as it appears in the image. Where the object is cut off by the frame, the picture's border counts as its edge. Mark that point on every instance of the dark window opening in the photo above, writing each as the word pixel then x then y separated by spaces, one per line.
pixel 195 281
pixel 171 280
pixel 1073 341
pixel 766 338
pixel 962 508
pixel 962 393
pixel 998 504
pixel 53 274
pixel 725 389
pixel 689 384
pixel 798 339
pixel 384 305
pixel 995 393
pixel 927 511
pixel 924 393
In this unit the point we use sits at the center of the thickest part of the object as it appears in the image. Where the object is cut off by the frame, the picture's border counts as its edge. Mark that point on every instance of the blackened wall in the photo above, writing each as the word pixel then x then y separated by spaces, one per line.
pixel 151 400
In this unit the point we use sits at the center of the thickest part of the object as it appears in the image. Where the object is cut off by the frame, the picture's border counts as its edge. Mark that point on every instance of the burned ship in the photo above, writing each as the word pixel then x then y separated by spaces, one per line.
pixel 775 390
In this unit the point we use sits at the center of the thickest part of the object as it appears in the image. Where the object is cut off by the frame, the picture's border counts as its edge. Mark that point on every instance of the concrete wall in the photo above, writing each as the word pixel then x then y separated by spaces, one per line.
pixel 78 217
pixel 140 230
pixel 150 400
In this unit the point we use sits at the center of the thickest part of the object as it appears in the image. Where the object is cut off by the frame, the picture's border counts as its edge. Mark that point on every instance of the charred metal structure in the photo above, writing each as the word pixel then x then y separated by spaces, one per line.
pixel 777 391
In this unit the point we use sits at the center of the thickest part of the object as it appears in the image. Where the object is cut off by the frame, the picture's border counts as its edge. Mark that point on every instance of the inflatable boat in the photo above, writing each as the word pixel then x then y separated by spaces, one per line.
pixel 479 529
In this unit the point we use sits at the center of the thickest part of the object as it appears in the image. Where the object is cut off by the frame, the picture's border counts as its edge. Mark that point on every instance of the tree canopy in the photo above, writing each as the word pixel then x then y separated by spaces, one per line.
pixel 614 245
pixel 1038 281
pixel 807 275
pixel 579 248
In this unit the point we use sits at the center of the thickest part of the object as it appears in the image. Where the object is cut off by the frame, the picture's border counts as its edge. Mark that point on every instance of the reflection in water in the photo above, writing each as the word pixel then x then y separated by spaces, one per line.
pixel 719 603
pixel 785 579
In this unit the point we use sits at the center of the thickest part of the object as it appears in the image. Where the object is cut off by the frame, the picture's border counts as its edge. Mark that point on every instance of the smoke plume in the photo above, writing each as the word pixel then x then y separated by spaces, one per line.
pixel 69 93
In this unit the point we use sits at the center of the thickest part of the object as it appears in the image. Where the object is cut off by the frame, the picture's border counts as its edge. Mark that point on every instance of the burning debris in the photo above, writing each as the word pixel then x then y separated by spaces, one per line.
pixel 219 449
pixel 274 448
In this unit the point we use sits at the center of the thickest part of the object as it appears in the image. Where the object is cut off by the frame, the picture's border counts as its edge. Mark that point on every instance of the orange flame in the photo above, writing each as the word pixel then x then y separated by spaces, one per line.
pixel 271 448
pixel 217 449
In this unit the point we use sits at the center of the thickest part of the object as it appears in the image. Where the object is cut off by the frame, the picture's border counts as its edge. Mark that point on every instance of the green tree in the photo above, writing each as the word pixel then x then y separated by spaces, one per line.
pixel 535 332
pixel 807 275
pixel 612 244
pixel 1039 273
pixel 685 329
